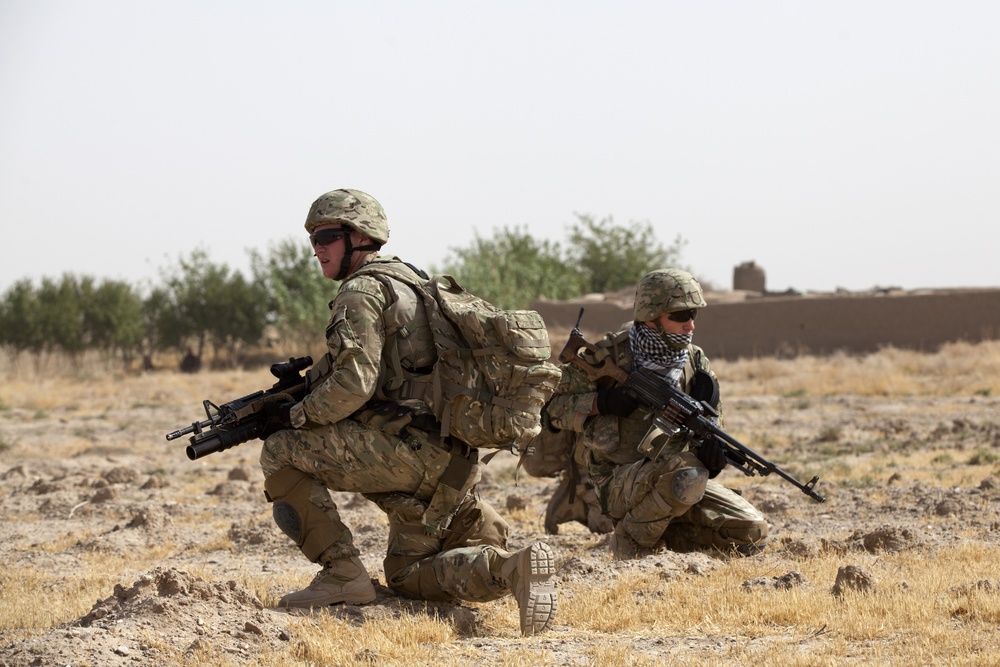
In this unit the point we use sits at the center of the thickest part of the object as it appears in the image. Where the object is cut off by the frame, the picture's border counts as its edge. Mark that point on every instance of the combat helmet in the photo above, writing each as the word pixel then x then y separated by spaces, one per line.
pixel 666 291
pixel 352 208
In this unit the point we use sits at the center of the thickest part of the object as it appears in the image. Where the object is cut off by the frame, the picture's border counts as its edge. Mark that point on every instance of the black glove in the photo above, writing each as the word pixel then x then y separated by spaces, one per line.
pixel 277 417
pixel 616 401
pixel 713 455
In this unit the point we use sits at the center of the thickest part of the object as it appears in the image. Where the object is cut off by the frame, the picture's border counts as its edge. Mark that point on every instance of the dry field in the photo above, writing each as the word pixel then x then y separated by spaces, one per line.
pixel 118 550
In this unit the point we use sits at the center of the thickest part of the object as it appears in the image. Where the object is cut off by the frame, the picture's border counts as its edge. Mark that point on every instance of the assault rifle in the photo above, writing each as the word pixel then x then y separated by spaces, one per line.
pixel 675 410
pixel 243 419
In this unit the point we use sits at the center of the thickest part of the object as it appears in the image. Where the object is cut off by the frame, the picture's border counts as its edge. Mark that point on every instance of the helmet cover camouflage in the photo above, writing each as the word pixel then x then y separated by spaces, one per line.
pixel 665 291
pixel 353 208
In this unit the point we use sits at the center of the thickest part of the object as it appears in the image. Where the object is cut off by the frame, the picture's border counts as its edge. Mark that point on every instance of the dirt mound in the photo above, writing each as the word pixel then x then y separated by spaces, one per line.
pixel 165 614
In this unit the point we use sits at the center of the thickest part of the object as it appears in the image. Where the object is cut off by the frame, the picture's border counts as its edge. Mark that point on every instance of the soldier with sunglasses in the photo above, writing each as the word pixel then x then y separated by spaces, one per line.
pixel 354 432
pixel 657 491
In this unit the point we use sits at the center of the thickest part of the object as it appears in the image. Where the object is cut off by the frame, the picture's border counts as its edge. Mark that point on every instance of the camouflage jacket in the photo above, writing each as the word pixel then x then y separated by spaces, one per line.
pixel 366 312
pixel 607 438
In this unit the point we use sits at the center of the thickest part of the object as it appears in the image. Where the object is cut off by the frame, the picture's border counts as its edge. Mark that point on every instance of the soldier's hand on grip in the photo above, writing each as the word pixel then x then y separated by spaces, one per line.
pixel 277 417
pixel 713 455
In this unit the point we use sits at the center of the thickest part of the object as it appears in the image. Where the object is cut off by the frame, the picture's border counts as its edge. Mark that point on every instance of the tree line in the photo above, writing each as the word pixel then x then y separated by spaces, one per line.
pixel 202 307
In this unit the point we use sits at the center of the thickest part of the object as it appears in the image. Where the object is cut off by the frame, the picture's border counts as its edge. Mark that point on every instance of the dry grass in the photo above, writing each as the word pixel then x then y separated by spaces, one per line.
pixel 918 615
pixel 958 369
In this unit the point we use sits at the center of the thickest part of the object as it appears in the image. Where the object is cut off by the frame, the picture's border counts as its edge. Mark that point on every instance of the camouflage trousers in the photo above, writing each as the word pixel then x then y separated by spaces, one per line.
pixel 301 466
pixel 671 503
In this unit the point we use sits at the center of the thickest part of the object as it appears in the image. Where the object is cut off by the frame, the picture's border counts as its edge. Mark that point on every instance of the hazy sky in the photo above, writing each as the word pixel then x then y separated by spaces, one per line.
pixel 837 144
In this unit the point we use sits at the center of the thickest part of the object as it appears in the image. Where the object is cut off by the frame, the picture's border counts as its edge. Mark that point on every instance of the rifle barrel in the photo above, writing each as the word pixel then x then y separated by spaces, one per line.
pixel 193 428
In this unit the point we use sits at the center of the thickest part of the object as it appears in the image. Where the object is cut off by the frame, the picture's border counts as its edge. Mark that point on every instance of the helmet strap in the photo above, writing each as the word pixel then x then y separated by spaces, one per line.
pixel 349 250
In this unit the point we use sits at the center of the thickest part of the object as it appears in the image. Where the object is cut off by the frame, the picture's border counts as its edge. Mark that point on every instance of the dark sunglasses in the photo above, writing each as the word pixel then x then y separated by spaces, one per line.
pixel 683 315
pixel 326 236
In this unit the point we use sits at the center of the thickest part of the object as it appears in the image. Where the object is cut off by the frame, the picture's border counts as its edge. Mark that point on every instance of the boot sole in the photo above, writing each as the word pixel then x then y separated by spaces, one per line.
pixel 536 594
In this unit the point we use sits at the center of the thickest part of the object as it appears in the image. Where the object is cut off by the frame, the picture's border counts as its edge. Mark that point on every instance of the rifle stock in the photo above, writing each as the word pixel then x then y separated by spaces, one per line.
pixel 576 344
pixel 675 409
pixel 242 419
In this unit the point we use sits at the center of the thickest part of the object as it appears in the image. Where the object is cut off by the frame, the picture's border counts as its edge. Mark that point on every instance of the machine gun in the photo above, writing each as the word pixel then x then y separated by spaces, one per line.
pixel 243 419
pixel 674 410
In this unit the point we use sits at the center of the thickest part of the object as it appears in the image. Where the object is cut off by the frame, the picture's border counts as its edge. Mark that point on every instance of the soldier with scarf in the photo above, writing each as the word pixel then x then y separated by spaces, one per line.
pixel 657 489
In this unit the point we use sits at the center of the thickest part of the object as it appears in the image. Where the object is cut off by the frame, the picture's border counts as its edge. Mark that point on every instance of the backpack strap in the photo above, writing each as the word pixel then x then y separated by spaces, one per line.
pixel 406 384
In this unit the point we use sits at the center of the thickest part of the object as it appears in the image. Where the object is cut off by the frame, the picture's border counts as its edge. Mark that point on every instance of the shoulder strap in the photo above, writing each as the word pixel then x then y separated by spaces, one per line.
pixel 411 276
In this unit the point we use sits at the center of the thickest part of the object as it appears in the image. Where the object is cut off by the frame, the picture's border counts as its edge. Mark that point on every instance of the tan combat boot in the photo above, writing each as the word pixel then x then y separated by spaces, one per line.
pixel 529 573
pixel 341 581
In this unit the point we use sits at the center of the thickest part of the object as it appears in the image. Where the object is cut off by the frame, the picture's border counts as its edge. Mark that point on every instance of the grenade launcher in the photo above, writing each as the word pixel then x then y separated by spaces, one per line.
pixel 243 419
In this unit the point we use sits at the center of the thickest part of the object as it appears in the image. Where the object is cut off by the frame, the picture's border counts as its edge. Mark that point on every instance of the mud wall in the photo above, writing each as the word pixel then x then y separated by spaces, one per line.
pixel 786 326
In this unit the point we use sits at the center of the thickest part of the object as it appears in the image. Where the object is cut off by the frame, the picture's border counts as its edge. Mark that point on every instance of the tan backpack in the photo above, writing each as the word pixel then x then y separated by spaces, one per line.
pixel 492 376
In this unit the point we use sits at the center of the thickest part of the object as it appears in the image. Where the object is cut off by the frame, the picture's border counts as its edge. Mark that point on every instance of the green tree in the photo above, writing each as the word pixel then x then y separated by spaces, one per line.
pixel 162 328
pixel 512 269
pixel 298 293
pixel 60 314
pixel 611 257
pixel 112 320
pixel 209 305
pixel 20 330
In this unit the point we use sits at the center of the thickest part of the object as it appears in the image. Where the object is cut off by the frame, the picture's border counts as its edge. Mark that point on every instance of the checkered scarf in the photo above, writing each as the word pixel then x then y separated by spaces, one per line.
pixel 664 353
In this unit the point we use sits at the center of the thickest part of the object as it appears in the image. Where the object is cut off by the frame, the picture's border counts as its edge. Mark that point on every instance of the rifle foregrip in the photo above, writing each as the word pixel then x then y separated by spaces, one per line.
pixel 219 441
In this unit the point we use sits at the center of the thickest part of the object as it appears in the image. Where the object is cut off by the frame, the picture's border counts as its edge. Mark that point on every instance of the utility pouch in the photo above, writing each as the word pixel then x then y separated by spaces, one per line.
pixel 458 479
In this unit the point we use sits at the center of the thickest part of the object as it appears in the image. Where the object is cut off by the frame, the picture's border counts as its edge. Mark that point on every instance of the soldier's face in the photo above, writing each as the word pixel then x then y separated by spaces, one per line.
pixel 672 327
pixel 330 254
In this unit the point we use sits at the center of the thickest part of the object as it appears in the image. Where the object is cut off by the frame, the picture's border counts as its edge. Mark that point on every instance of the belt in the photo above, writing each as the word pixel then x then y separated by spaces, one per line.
pixel 432 428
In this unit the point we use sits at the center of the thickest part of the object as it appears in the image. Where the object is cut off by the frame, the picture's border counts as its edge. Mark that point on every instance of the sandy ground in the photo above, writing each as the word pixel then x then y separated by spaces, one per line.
pixel 78 488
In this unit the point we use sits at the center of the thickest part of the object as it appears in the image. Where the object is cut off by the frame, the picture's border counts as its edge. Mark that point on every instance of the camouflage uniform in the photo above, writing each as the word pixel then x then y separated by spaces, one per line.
pixel 445 542
pixel 656 491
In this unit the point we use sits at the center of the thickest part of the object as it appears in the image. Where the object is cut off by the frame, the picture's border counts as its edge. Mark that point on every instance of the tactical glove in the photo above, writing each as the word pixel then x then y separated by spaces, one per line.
pixel 616 401
pixel 277 417
pixel 713 455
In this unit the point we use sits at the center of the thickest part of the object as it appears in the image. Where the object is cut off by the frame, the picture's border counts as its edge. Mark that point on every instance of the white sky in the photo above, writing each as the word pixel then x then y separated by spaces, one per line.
pixel 838 144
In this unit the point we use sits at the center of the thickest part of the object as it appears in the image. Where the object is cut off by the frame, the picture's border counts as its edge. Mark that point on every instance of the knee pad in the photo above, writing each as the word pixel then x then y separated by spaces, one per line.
pixel 288 520
pixel 685 486
pixel 296 515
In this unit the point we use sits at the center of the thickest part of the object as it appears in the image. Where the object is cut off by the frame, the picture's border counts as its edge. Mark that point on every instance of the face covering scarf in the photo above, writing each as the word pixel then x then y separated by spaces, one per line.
pixel 664 353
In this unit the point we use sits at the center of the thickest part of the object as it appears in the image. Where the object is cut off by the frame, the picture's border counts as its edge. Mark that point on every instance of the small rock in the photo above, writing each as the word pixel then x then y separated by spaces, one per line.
pixel 853 577
pixel 802 548
pixel 104 495
pixel 948 507
pixel 122 475
pixel 888 538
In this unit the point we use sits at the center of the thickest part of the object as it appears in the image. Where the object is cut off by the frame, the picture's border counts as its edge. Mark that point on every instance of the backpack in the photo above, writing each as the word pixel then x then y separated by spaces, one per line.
pixel 492 375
